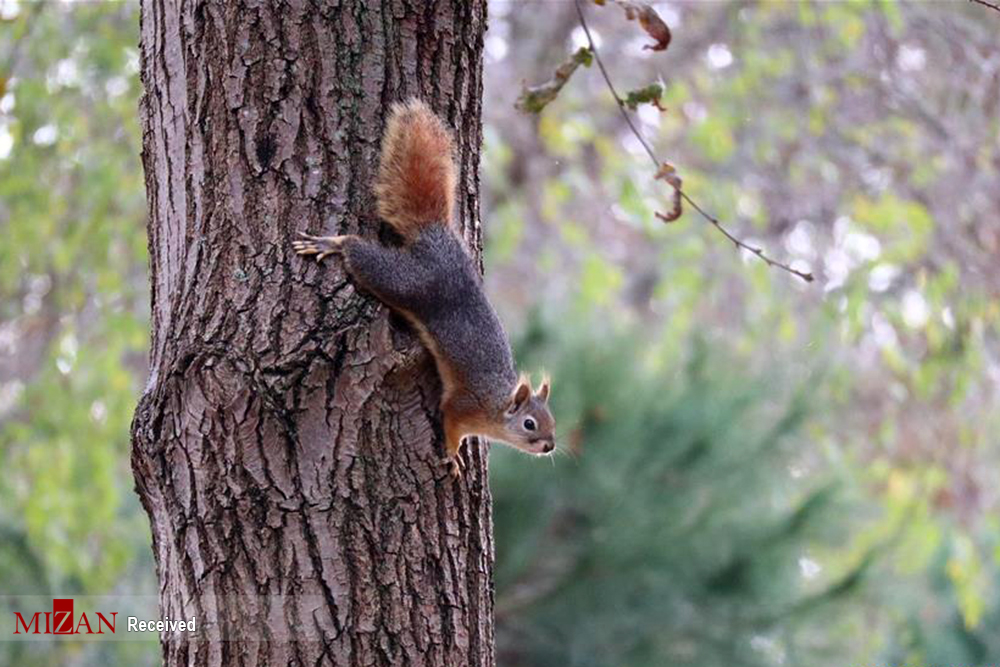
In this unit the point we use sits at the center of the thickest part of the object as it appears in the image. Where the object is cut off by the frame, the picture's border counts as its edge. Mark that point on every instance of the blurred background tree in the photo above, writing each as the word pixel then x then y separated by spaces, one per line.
pixel 73 301
pixel 756 470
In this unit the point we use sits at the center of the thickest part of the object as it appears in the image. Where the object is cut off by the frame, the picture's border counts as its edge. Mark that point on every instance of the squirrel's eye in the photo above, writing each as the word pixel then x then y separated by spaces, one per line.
pixel 529 424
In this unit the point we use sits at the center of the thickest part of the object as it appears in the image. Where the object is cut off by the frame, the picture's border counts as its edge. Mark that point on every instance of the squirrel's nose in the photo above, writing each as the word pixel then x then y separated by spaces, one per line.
pixel 548 446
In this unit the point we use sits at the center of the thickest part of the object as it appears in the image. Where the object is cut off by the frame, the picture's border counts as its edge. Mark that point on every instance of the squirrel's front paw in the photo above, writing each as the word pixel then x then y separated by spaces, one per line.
pixel 457 464
pixel 321 246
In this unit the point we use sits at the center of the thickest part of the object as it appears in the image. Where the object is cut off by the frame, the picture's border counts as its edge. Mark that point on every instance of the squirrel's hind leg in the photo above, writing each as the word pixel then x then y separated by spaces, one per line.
pixel 321 246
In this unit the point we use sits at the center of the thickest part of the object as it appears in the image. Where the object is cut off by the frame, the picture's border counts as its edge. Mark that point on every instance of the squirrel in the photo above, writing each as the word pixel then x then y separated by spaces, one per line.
pixel 432 282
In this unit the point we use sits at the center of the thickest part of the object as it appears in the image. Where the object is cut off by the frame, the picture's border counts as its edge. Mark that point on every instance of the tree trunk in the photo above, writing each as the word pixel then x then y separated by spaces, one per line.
pixel 287 447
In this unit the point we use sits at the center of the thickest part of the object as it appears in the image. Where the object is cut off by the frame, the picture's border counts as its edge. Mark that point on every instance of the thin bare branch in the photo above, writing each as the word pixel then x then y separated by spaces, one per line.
pixel 658 164
pixel 984 3
pixel 805 275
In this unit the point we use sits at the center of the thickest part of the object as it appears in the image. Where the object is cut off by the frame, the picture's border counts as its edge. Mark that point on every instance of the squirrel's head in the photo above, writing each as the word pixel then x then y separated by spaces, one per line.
pixel 528 423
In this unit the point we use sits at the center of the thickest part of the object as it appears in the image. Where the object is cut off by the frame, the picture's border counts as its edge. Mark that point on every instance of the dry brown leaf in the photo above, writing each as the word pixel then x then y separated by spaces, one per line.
pixel 669 174
pixel 650 21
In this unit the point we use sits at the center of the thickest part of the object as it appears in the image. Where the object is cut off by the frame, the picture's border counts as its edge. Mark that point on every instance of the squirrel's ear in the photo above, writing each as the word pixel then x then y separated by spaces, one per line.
pixel 543 391
pixel 520 397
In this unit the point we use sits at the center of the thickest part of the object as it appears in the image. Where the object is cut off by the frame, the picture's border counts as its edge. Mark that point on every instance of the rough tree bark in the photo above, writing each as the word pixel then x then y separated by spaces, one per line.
pixel 287 445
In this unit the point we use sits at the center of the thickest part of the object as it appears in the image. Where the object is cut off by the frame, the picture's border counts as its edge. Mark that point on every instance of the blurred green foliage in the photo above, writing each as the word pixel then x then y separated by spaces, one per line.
pixel 753 471
pixel 73 313
pixel 846 138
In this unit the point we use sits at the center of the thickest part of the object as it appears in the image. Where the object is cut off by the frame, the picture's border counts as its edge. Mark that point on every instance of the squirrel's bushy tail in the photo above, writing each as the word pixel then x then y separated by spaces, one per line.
pixel 416 177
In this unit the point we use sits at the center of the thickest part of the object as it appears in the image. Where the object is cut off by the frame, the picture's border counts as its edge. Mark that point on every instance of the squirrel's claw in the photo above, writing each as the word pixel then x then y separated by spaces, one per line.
pixel 456 463
pixel 321 246
pixel 303 248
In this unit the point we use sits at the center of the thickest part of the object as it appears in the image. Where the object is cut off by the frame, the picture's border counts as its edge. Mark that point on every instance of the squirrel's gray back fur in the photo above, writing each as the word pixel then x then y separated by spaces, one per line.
pixel 455 312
